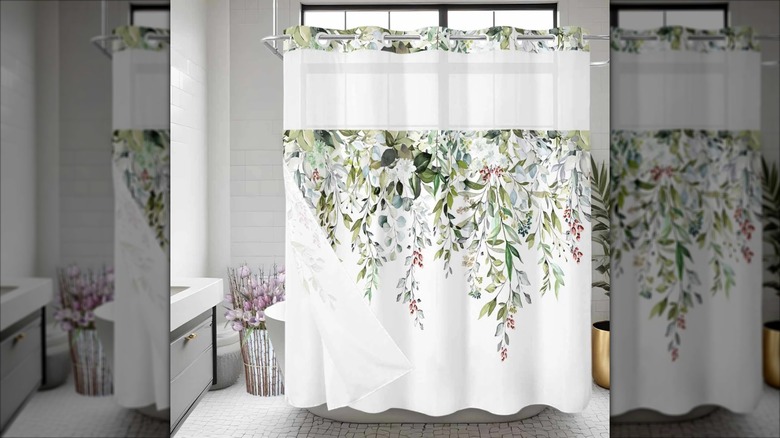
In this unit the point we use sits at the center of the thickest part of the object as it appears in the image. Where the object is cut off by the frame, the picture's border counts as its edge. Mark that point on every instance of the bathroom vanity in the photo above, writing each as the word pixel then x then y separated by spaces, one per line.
pixel 22 342
pixel 193 343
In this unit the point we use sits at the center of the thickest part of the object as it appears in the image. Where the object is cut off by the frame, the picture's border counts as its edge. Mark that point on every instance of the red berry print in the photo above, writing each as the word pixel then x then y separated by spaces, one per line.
pixel 510 322
pixel 417 258
pixel 487 171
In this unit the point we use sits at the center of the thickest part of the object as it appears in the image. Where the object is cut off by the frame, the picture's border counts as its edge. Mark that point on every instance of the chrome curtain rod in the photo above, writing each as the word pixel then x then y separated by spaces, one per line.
pixel 270 41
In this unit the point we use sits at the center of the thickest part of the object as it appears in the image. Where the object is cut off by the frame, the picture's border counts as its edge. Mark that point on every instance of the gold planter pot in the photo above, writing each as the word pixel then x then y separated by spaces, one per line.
pixel 600 356
pixel 772 353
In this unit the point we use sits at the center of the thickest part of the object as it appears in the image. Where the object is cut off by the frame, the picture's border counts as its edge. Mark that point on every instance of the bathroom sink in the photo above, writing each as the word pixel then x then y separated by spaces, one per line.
pixel 20 297
pixel 177 289
pixel 192 296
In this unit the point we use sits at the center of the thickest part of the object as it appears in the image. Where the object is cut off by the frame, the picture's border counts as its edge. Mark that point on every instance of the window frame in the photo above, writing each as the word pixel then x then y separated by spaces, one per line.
pixel 134 7
pixel 442 8
pixel 615 8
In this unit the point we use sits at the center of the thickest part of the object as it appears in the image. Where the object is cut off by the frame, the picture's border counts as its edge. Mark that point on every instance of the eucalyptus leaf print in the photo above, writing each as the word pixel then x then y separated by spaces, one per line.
pixel 143 158
pixel 520 187
pixel 488 196
pixel 676 193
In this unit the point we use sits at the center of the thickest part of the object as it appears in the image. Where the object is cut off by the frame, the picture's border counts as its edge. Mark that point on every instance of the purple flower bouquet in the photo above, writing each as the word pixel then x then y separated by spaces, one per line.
pixel 250 294
pixel 80 294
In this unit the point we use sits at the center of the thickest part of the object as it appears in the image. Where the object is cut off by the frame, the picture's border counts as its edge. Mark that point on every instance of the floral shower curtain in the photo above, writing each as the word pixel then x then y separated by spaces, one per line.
pixel 438 202
pixel 141 146
pixel 686 267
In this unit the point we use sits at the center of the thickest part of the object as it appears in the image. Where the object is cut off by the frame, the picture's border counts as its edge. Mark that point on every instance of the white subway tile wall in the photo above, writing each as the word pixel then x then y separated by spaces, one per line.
pixel 189 153
pixel 257 197
pixel 257 190
pixel 17 100
pixel 86 199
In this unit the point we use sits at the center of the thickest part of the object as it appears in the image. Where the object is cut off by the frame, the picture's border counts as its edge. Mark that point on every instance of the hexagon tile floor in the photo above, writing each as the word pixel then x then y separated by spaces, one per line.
pixel 232 413
pixel 764 421
pixel 61 412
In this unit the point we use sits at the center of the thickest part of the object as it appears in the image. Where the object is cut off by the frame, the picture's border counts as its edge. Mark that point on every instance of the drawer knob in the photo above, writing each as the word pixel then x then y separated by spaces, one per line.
pixel 18 338
pixel 191 336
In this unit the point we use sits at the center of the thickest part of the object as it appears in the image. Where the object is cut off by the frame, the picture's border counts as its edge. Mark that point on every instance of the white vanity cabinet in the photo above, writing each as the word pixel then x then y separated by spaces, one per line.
pixel 193 343
pixel 22 342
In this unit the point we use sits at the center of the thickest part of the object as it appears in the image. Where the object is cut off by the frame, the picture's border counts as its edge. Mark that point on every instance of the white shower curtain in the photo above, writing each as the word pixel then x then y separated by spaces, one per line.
pixel 438 201
pixel 141 142
pixel 686 267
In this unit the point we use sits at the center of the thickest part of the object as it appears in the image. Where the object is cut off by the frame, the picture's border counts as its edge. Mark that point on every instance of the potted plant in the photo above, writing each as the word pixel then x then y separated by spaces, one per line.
pixel 600 236
pixel 771 205
pixel 250 294
pixel 80 293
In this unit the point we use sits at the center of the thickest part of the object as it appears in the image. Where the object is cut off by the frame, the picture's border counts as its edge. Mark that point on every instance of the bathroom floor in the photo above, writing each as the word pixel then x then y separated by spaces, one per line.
pixel 231 412
pixel 69 414
pixel 762 422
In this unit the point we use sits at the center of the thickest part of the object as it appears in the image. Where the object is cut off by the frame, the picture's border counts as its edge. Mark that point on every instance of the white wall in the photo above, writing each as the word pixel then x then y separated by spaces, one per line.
pixel 218 113
pixel 85 99
pixel 47 108
pixel 17 128
pixel 256 188
pixel 189 153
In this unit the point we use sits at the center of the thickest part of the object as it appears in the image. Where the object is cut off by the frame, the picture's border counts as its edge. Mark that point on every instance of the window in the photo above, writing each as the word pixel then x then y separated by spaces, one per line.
pixel 651 16
pixel 409 16
pixel 150 15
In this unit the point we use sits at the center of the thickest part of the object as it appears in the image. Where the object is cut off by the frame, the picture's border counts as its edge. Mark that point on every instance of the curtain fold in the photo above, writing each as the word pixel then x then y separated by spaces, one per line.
pixel 141 146
pixel 438 209
pixel 685 219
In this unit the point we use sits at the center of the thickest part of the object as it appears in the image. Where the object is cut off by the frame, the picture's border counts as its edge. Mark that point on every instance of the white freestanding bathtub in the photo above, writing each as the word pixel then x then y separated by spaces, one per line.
pixel 275 319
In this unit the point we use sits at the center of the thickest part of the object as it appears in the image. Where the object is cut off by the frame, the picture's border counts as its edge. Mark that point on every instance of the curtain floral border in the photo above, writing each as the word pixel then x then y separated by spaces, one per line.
pixel 676 190
pixel 678 38
pixel 436 38
pixel 491 195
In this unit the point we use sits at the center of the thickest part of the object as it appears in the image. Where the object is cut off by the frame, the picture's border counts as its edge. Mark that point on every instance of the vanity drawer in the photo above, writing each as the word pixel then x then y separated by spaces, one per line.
pixel 186 387
pixel 19 384
pixel 189 345
pixel 19 342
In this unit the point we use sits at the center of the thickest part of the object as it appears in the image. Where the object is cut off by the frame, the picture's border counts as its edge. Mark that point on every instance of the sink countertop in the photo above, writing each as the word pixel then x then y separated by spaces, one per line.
pixel 192 296
pixel 22 296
